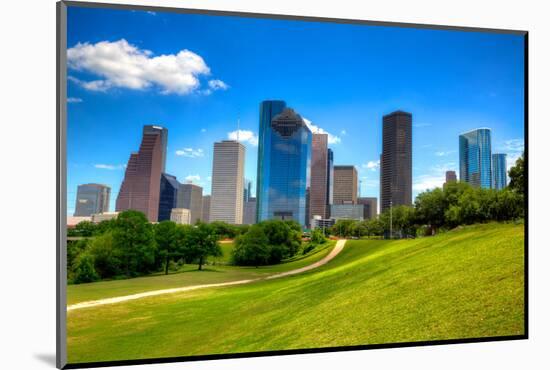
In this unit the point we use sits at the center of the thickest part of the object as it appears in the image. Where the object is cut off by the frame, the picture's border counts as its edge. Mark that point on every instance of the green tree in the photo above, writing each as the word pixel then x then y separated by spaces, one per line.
pixel 430 209
pixel 317 236
pixel 133 237
pixel 201 241
pixel 517 175
pixel 83 228
pixel 165 237
pixel 252 248
pixel 342 228
pixel 107 258
pixel 85 271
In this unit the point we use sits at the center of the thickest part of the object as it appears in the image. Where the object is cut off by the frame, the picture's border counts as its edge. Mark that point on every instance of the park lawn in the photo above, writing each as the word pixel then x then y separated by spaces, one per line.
pixel 461 284
pixel 189 275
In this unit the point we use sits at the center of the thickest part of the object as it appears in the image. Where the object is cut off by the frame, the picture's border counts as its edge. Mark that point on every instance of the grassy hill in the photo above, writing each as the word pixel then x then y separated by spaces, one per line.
pixel 461 284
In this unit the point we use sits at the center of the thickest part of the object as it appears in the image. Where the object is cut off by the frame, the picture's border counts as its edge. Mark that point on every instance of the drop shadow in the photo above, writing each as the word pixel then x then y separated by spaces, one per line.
pixel 47 358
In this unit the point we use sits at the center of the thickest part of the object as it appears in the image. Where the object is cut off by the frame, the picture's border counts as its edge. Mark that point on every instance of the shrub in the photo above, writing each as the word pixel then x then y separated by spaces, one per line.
pixel 85 271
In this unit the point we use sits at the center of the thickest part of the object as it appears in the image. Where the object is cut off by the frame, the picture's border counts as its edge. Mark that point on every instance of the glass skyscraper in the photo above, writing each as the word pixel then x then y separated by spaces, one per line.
pixel 284 157
pixel 499 171
pixel 475 157
pixel 168 198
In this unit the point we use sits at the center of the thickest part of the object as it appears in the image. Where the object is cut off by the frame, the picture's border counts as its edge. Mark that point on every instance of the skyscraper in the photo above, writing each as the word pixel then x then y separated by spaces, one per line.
pixel 91 199
pixel 396 160
pixel 226 203
pixel 500 179
pixel 450 176
pixel 345 185
pixel 284 167
pixel 190 197
pixel 169 187
pixel 140 188
pixel 318 192
pixel 370 207
pixel 330 180
pixel 475 157
pixel 268 110
pixel 249 213
pixel 205 208
pixel 247 191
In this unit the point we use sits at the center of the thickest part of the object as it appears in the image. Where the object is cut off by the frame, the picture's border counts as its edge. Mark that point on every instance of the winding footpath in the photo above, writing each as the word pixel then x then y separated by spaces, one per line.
pixel 337 249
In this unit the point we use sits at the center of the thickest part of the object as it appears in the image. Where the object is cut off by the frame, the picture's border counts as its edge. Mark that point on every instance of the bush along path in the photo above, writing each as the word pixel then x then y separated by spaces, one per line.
pixel 335 251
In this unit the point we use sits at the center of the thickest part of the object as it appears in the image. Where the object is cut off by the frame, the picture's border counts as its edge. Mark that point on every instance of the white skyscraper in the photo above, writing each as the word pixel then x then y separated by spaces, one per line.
pixel 226 203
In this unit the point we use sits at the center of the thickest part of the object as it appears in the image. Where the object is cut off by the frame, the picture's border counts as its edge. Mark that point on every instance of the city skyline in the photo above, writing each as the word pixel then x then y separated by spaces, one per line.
pixel 348 104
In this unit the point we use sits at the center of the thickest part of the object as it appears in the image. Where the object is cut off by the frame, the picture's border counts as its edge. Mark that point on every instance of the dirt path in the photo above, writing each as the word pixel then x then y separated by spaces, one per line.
pixel 337 249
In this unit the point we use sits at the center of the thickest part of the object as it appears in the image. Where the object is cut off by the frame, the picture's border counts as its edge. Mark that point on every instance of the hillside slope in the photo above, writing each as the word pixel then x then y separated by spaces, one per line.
pixel 465 283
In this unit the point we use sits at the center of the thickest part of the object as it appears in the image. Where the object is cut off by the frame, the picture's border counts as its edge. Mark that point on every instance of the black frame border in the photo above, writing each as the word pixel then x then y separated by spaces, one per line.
pixel 61 171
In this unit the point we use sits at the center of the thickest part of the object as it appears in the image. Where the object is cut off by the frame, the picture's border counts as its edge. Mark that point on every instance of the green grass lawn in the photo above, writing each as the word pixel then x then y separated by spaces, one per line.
pixel 189 275
pixel 461 284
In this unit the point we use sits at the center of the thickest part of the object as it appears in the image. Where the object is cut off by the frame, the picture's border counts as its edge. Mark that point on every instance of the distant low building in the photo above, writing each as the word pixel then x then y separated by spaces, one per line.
pixel 181 216
pixel 205 208
pixel 347 211
pixel 98 217
pixel 72 221
pixel 317 222
pixel 370 206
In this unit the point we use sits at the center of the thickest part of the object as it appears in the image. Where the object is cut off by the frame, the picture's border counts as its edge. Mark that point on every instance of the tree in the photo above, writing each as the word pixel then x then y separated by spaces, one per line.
pixel 165 237
pixel 430 209
pixel 517 175
pixel 133 237
pixel 342 228
pixel 85 271
pixel 224 230
pixel 202 241
pixel 374 226
pixel 83 228
pixel 317 237
pixel 252 248
pixel 107 258
pixel 284 238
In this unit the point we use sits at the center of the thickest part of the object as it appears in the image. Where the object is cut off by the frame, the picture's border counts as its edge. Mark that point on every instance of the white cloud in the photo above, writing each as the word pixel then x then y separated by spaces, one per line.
pixel 244 136
pixel 203 130
pixel 217 85
pixel 427 182
pixel 109 166
pixel 332 139
pixel 444 153
pixel 74 100
pixel 193 178
pixel 371 165
pixel 121 64
pixel 151 13
pixel 343 132
pixel 514 145
pixel 190 153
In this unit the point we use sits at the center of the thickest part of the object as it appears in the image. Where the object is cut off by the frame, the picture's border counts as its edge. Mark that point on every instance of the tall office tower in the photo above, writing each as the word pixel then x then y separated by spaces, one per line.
pixel 450 176
pixel 247 191
pixel 140 188
pixel 268 110
pixel 190 197
pixel 169 187
pixel 345 185
pixel 284 169
pixel 226 203
pixel 475 157
pixel 500 179
pixel 249 213
pixel 330 180
pixel 91 199
pixel 318 191
pixel 396 160
pixel 205 208
pixel 370 206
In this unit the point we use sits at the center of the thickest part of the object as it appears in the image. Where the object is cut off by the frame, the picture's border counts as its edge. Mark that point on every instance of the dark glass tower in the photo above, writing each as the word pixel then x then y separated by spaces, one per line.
pixel 268 110
pixel 396 160
pixel 284 168
pixel 91 199
pixel 169 187
pixel 140 188
pixel 475 157
pixel 330 180
pixel 318 192
pixel 499 171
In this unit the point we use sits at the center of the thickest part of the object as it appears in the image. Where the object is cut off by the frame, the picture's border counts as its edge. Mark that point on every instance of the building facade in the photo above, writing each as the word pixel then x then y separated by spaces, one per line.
pixel 169 187
pixel 247 191
pixel 345 185
pixel 249 215
pixel 92 198
pixel 205 208
pixel 284 169
pixel 318 192
pixel 180 216
pixel 330 180
pixel 396 160
pixel 347 211
pixel 500 180
pixel 475 157
pixel 140 188
pixel 370 207
pixel 226 203
pixel 190 197
pixel 268 110
pixel 105 216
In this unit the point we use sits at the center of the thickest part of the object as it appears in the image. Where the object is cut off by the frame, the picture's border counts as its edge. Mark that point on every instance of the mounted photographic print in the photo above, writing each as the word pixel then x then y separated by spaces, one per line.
pixel 237 185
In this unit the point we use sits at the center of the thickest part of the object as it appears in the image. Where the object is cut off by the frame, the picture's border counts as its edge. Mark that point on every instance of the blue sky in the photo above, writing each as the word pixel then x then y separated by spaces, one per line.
pixel 197 75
